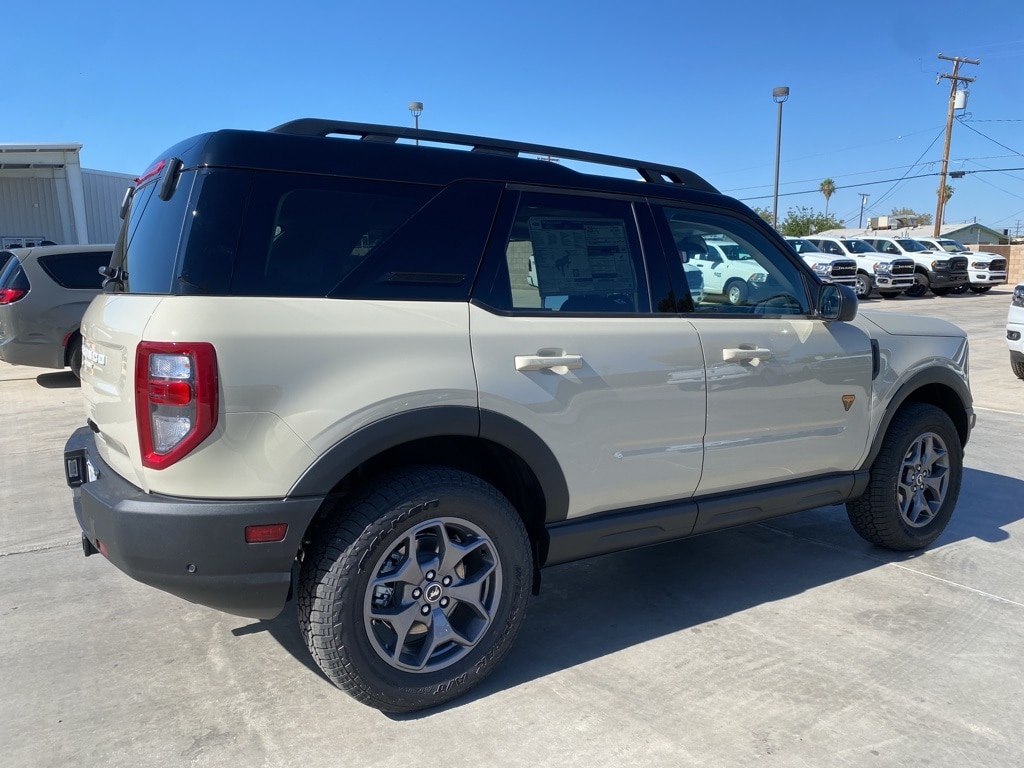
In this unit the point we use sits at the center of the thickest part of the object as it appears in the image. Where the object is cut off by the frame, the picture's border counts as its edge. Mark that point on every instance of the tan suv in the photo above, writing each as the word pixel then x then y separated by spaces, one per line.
pixel 397 380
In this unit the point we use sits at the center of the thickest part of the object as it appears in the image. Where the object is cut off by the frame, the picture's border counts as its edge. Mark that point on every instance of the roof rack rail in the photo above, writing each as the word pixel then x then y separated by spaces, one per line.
pixel 652 172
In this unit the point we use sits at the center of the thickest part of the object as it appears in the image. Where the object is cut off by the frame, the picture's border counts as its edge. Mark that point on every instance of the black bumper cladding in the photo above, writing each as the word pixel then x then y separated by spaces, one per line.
pixel 192 548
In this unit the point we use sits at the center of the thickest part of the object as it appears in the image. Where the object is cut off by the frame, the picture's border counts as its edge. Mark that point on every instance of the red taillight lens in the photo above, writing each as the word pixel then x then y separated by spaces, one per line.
pixel 175 399
pixel 10 295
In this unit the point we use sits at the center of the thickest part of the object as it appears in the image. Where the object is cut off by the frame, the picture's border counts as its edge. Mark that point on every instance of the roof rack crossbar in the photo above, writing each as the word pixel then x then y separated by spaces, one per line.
pixel 651 172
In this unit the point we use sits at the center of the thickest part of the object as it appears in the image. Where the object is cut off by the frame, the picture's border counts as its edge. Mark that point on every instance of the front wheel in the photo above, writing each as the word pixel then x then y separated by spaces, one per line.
pixel 736 292
pixel 920 286
pixel 862 285
pixel 942 291
pixel 915 481
pixel 889 294
pixel 416 588
pixel 1017 366
pixel 981 288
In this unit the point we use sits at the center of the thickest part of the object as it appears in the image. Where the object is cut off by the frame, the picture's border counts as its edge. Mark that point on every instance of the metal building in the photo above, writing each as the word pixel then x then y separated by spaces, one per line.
pixel 46 195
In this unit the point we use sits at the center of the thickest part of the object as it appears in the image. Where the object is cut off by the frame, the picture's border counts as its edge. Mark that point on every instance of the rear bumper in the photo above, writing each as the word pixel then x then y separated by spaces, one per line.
pixel 192 548
pixel 40 354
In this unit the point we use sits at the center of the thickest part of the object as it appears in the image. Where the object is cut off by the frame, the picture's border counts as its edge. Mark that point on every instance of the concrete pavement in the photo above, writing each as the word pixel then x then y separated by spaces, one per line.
pixel 789 643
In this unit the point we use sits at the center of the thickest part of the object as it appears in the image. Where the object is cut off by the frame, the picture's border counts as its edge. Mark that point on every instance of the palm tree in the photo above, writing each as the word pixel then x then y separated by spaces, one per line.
pixel 946 193
pixel 827 187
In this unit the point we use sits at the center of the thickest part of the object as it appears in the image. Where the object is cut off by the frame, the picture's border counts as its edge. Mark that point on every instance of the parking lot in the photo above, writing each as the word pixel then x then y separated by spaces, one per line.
pixel 788 643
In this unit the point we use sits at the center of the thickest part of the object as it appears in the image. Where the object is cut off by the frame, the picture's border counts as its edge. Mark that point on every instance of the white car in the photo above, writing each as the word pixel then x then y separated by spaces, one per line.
pixel 828 268
pixel 984 269
pixel 1015 331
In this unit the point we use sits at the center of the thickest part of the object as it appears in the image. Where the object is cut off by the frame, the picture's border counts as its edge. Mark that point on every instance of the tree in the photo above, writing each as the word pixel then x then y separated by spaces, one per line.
pixel 802 221
pixel 923 219
pixel 827 187
pixel 764 213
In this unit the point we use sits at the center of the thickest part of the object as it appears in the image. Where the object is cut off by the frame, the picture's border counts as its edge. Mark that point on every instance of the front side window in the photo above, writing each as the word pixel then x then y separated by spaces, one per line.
pixel 741 270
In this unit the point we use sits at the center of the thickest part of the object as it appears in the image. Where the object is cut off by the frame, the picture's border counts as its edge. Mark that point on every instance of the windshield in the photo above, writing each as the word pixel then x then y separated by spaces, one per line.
pixel 911 245
pixel 858 246
pixel 951 246
pixel 800 245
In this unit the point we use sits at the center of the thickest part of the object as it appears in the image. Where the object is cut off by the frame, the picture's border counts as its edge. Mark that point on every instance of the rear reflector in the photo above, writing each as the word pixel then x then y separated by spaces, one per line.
pixel 260 534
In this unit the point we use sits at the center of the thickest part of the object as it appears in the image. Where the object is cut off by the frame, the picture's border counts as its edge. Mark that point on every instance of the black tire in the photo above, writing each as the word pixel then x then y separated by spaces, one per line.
pixel 736 292
pixel 889 294
pixel 915 481
pixel 862 286
pixel 962 288
pixel 469 579
pixel 1017 366
pixel 920 286
pixel 73 353
pixel 981 288
pixel 942 291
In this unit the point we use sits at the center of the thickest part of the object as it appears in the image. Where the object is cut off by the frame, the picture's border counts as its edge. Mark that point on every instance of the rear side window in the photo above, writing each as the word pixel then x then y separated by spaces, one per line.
pixel 76 270
pixel 258 233
pixel 302 235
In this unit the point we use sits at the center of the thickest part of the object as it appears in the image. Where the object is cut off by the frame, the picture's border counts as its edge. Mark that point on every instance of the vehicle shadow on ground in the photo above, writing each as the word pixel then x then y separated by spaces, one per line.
pixel 600 606
pixel 58 380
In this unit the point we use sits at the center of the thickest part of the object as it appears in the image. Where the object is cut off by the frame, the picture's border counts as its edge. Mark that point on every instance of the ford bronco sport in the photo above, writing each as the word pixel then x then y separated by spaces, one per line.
pixel 322 363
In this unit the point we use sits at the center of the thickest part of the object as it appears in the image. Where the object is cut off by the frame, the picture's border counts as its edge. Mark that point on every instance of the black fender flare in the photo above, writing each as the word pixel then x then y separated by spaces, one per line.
pixel 932 376
pixel 440 421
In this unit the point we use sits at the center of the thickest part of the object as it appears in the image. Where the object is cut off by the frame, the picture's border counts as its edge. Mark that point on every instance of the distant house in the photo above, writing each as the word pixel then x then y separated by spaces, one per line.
pixel 967 232
pixel 46 195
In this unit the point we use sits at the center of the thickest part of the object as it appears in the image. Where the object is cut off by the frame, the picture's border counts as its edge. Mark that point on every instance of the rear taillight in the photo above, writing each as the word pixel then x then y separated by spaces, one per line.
pixel 10 295
pixel 175 399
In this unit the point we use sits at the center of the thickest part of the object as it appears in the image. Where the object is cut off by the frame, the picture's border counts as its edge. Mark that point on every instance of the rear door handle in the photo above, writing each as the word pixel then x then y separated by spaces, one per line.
pixel 740 353
pixel 543 362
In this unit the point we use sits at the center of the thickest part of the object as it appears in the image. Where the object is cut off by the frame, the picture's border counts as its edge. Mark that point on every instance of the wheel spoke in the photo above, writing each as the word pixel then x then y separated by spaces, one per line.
pixel 401 622
pixel 408 571
pixel 440 633
pixel 471 592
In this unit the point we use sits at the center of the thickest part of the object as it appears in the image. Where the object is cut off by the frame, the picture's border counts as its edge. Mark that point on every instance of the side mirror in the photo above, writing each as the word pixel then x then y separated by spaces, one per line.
pixel 837 302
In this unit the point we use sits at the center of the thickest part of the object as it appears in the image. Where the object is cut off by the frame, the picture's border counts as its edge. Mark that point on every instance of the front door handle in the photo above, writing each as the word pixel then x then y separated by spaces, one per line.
pixel 543 362
pixel 743 353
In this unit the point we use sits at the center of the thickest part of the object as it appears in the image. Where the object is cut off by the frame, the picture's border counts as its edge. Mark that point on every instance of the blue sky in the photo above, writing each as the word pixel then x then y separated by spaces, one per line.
pixel 675 82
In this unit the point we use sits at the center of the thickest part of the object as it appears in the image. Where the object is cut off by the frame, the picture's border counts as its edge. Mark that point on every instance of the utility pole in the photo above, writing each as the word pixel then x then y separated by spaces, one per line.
pixel 863 198
pixel 954 79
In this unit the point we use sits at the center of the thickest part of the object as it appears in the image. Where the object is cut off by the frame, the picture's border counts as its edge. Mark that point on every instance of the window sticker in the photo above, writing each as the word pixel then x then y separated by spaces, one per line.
pixel 581 256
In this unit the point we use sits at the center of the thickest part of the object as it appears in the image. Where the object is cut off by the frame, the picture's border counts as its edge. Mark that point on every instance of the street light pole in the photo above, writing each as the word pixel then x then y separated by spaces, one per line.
pixel 779 95
pixel 416 109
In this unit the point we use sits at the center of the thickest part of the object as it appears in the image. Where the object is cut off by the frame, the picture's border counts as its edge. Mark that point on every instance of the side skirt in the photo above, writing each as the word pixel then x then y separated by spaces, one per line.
pixel 576 539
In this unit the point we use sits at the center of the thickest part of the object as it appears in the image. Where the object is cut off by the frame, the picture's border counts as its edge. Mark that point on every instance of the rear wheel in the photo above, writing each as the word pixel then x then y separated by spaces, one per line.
pixel 915 481
pixel 73 353
pixel 981 288
pixel 889 294
pixel 416 589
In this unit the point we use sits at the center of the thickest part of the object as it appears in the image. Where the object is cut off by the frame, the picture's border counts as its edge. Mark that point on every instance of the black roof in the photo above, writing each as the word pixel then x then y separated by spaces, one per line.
pixel 312 145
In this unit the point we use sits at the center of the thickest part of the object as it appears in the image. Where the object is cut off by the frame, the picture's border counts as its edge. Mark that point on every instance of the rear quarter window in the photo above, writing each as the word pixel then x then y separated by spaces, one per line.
pixel 76 270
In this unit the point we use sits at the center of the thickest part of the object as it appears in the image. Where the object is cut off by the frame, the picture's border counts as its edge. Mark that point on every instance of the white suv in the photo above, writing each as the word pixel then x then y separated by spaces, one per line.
pixel 890 276
pixel 321 368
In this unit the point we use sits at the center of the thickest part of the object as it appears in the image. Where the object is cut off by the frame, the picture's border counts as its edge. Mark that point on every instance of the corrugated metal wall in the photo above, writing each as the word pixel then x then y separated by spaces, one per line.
pixel 103 195
pixel 29 205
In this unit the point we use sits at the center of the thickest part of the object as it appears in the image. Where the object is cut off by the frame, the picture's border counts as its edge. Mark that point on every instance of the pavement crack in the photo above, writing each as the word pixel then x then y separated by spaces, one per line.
pixel 40 548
